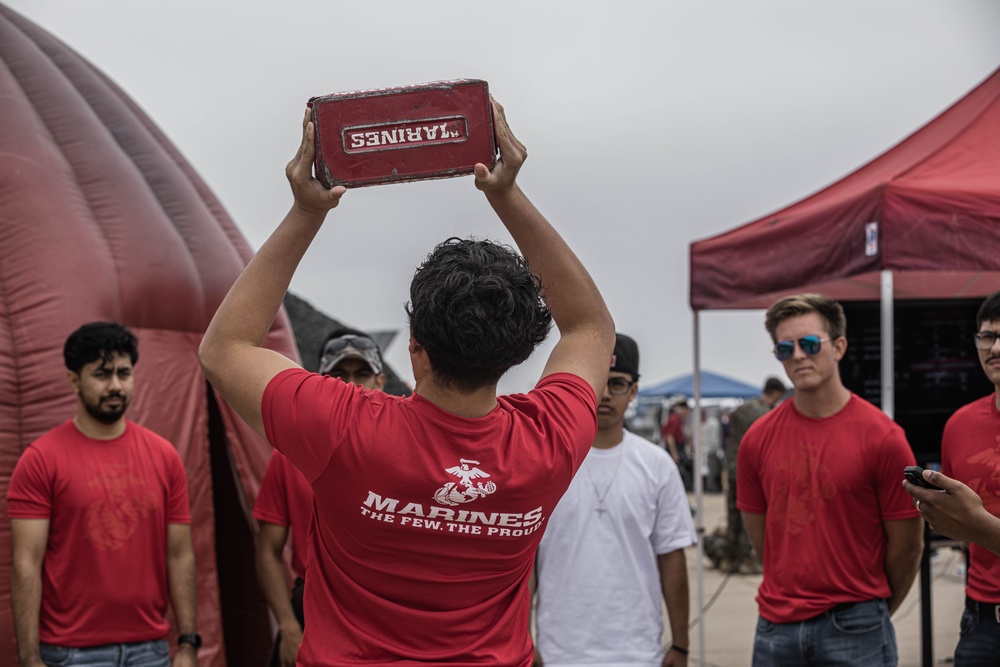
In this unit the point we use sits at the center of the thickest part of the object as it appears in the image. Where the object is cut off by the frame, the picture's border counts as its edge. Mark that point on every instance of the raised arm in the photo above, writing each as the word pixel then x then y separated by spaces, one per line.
pixel 231 355
pixel 586 330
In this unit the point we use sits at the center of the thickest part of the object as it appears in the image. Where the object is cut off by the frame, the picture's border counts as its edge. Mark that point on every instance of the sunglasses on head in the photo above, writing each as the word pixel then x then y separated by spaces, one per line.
pixel 349 340
pixel 784 349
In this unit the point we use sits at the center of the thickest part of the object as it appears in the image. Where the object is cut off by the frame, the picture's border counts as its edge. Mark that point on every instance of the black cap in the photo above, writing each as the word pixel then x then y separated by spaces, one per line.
pixel 626 356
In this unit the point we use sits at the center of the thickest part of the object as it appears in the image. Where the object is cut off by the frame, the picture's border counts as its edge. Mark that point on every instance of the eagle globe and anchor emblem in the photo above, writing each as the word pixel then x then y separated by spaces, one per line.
pixel 467 488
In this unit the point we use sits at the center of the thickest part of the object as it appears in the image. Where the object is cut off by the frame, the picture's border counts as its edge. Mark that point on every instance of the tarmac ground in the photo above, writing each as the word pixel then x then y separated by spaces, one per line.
pixel 730 611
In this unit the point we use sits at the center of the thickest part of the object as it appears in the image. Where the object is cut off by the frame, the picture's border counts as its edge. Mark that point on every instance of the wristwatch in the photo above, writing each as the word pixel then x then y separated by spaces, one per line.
pixel 193 638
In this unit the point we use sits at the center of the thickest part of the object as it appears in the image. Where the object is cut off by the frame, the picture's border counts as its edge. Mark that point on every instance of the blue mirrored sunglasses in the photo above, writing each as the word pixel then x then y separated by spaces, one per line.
pixel 784 349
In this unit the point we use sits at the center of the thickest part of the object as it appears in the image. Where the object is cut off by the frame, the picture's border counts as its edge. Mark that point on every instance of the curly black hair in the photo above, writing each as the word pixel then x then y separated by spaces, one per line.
pixel 477 309
pixel 99 340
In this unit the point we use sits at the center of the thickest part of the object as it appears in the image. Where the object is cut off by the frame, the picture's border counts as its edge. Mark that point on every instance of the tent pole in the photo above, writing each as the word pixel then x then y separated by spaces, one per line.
pixel 888 347
pixel 888 337
pixel 699 524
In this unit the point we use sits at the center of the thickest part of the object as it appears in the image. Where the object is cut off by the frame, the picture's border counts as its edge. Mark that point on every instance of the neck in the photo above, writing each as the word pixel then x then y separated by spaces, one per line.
pixel 98 430
pixel 821 402
pixel 470 405
pixel 609 437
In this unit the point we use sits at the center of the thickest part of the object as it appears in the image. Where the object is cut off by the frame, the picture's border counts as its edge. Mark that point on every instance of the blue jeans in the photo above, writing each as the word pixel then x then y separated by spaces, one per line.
pixel 154 653
pixel 979 642
pixel 849 635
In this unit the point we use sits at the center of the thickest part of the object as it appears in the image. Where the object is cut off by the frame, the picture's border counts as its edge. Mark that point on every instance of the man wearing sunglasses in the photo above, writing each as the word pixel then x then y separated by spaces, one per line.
pixel 285 501
pixel 428 509
pixel 970 452
pixel 613 552
pixel 818 485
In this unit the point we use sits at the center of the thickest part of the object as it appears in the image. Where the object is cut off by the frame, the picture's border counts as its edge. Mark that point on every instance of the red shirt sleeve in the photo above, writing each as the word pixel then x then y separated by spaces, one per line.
pixel 297 404
pixel 29 495
pixel 893 455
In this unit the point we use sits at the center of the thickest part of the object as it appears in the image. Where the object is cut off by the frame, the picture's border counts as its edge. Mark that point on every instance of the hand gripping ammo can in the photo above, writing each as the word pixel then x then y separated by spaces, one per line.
pixel 391 135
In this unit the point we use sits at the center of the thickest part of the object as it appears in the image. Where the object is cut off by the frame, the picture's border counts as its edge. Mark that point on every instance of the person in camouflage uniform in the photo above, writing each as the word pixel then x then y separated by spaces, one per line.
pixel 736 552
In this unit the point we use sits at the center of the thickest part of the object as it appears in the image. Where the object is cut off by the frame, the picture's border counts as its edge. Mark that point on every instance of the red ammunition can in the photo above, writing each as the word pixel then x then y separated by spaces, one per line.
pixel 390 135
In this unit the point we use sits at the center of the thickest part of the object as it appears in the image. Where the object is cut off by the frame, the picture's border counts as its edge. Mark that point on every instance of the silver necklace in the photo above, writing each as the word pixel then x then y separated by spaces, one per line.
pixel 601 509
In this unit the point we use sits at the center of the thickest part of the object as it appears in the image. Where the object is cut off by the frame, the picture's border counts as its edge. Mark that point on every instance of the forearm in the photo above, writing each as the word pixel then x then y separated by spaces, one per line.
pixel 900 580
pixel 182 584
pixel 755 526
pixel 672 449
pixel 274 588
pixel 26 602
pixel 674 583
pixel 570 292
pixel 902 562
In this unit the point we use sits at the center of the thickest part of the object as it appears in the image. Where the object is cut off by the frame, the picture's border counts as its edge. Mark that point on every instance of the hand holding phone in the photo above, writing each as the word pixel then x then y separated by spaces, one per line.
pixel 915 475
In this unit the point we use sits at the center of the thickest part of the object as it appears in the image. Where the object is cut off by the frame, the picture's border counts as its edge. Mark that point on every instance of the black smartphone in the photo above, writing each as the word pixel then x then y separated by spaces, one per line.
pixel 915 475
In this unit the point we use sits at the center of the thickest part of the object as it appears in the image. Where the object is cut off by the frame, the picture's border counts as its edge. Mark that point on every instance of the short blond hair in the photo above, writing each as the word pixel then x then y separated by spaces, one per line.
pixel 831 312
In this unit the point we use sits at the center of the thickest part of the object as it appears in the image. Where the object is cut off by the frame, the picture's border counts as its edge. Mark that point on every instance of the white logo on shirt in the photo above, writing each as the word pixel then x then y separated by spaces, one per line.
pixel 451 494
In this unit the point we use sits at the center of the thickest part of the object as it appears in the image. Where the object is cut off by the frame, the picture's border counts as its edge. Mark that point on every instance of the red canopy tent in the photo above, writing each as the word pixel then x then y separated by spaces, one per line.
pixel 919 222
pixel 934 200
pixel 101 218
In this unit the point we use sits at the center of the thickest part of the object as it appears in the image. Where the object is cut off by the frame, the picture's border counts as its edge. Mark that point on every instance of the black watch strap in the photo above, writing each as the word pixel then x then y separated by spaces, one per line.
pixel 192 638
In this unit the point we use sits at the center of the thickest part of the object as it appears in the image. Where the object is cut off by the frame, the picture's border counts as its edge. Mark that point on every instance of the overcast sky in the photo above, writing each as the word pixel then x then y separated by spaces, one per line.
pixel 649 125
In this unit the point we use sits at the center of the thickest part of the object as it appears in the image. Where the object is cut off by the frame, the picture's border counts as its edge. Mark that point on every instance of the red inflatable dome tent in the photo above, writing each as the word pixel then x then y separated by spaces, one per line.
pixel 101 218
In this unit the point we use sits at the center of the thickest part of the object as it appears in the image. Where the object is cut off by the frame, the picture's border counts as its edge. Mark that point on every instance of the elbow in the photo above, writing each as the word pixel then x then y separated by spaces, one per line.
pixel 605 330
pixel 909 553
pixel 609 328
pixel 207 359
pixel 23 569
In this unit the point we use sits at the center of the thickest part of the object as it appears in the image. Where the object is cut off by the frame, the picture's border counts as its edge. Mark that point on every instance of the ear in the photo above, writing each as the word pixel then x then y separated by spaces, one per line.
pixel 840 347
pixel 74 381
pixel 380 381
pixel 633 392
pixel 420 364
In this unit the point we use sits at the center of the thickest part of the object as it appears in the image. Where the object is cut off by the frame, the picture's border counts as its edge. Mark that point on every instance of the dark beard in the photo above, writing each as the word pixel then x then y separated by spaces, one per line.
pixel 106 416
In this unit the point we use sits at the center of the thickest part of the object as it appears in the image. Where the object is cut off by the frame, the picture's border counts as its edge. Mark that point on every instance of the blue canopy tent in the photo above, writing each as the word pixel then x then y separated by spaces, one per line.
pixel 713 385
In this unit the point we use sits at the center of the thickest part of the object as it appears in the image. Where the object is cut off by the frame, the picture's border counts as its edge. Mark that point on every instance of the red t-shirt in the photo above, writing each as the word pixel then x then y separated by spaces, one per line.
pixel 970 452
pixel 426 523
pixel 673 426
pixel 826 486
pixel 286 499
pixel 108 502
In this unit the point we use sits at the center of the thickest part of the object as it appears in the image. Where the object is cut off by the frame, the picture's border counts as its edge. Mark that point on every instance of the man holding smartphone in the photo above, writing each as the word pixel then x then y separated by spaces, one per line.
pixel 970 452
pixel 818 485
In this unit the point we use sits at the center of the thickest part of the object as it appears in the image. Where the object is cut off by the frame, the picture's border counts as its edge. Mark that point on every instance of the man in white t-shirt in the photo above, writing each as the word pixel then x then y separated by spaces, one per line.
pixel 613 550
